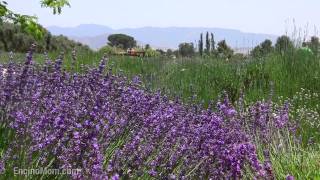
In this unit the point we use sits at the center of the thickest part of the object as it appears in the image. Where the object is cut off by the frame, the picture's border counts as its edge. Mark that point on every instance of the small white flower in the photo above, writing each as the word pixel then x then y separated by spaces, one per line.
pixel 4 72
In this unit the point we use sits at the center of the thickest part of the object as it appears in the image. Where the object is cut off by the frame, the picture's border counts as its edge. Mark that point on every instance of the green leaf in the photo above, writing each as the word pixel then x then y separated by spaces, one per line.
pixel 3 10
pixel 55 5
pixel 29 23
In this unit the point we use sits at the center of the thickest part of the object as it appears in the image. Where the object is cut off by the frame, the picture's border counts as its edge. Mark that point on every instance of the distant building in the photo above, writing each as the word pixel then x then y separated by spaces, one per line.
pixel 243 50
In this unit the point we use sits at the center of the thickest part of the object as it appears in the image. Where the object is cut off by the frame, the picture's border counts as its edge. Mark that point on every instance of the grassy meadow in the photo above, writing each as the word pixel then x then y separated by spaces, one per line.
pixel 208 77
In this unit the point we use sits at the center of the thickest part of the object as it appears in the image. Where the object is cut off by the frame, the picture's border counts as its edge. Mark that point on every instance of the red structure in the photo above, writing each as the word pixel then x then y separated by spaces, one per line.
pixel 132 52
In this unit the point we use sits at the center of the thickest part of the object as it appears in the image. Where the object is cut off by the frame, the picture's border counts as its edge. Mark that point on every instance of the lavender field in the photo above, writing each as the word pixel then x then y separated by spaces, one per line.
pixel 108 126
pixel 159 90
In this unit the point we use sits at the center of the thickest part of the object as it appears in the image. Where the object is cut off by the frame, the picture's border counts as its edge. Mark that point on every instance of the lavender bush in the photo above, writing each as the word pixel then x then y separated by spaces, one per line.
pixel 110 127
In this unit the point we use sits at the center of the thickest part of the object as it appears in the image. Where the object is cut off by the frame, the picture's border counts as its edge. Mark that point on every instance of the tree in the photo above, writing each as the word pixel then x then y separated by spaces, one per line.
pixel 13 38
pixel 48 41
pixel 186 49
pixel 121 40
pixel 256 52
pixel 201 45
pixel 266 47
pixel 284 45
pixel 153 53
pixel 224 50
pixel 176 53
pixel 207 44
pixel 169 52
pixel 161 52
pixel 313 44
pixel 213 44
pixel 29 23
pixel 262 49
pixel 108 50
pixel 147 47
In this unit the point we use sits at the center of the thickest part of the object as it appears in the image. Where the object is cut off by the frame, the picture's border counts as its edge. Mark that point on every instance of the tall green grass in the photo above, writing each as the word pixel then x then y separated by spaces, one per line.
pixel 208 77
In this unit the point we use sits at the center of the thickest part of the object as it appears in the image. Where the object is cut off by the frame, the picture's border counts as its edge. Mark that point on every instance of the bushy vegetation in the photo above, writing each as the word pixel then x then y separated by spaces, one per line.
pixel 263 49
pixel 14 38
pixel 28 24
pixel 186 49
pixel 121 41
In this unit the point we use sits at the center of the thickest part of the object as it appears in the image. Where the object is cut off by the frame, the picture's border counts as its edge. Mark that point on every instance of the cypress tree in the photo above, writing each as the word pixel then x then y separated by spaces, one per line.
pixel 207 44
pixel 213 44
pixel 201 45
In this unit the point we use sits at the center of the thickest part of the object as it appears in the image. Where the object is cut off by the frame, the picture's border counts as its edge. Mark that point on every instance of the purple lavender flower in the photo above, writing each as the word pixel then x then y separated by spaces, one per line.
pixel 115 177
pixel 2 167
pixel 283 117
pixel 289 177
pixel 152 173
pixel 108 125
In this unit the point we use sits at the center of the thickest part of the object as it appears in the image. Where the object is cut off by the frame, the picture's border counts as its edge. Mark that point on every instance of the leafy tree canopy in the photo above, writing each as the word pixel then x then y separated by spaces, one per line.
pixel 186 49
pixel 284 45
pixel 147 46
pixel 224 50
pixel 262 49
pixel 14 38
pixel 29 23
pixel 122 41
pixel 313 45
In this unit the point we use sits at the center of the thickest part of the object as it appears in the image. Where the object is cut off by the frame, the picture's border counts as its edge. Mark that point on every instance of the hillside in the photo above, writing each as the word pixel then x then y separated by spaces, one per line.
pixel 96 35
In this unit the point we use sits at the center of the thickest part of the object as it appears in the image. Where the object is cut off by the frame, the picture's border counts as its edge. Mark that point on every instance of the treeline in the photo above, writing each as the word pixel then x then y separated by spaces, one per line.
pixel 284 45
pixel 119 43
pixel 13 38
pixel 206 47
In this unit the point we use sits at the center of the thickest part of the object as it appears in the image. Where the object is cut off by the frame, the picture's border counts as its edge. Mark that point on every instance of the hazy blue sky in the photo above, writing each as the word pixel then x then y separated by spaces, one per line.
pixel 260 16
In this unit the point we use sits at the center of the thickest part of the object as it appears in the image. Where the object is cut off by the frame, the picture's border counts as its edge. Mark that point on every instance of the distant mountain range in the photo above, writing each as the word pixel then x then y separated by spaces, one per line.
pixel 96 35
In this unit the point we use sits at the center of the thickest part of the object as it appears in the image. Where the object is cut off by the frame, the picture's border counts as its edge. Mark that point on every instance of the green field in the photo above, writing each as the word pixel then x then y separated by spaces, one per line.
pixel 208 77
